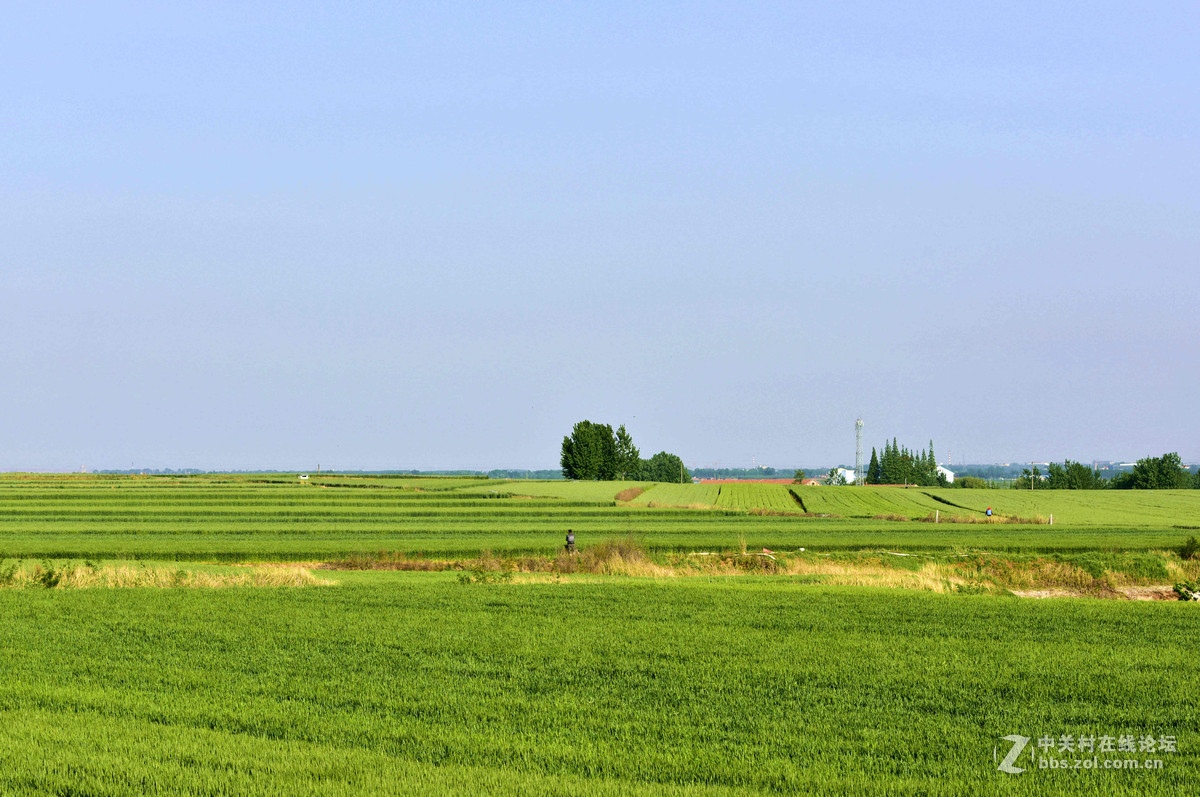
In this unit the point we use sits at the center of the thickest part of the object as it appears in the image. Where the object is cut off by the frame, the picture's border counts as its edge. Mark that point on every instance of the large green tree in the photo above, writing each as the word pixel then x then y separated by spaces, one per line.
pixel 1073 476
pixel 590 452
pixel 629 459
pixel 1156 473
pixel 664 467
pixel 593 451
pixel 874 471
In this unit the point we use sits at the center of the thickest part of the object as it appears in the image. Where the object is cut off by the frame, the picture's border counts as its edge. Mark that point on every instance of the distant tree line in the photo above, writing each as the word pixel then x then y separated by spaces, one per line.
pixel 517 473
pixel 1150 473
pixel 152 472
pixel 761 472
pixel 594 452
pixel 898 465
pixel 1067 476
pixel 998 472
pixel 497 473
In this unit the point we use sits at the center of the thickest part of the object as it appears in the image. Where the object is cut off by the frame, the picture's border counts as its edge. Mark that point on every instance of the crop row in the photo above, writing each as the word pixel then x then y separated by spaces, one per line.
pixel 185 514
pixel 1099 508
pixel 307 543
pixel 687 495
pixel 767 497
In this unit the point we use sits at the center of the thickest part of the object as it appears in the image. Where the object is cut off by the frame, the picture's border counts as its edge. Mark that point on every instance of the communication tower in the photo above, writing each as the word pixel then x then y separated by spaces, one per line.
pixel 858 463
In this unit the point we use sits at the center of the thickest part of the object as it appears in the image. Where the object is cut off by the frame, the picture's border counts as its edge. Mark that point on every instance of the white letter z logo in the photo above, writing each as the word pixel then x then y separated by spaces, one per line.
pixel 1006 765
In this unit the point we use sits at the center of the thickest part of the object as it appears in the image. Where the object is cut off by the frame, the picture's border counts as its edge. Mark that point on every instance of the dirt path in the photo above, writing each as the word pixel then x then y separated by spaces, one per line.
pixel 1158 592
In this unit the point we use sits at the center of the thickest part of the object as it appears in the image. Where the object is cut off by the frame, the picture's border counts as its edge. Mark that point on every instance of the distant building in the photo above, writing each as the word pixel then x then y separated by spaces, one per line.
pixel 303 475
pixel 811 483
pixel 949 474
pixel 846 474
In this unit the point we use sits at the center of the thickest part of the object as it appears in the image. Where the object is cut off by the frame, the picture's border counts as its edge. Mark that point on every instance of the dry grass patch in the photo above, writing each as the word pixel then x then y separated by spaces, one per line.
pixel 390 560
pixel 661 505
pixel 611 558
pixel 92 576
pixel 1048 574
pixel 930 576
pixel 1110 575
pixel 1036 520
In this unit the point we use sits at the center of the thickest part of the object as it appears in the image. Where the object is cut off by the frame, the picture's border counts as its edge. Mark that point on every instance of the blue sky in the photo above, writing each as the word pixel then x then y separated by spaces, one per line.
pixel 430 235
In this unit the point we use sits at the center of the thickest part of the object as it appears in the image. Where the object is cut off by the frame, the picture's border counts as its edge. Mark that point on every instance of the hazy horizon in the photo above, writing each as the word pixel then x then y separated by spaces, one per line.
pixel 387 236
pixel 780 470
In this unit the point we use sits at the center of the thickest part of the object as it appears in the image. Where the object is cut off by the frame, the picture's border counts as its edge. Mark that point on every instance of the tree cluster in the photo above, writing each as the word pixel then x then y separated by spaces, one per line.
pixel 971 483
pixel 594 452
pixel 898 465
pixel 1067 476
pixel 1150 473
pixel 662 467
pixel 1156 473
pixel 1028 479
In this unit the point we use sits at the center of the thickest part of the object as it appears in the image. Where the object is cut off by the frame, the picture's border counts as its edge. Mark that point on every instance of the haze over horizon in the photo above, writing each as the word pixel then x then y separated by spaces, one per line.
pixel 424 236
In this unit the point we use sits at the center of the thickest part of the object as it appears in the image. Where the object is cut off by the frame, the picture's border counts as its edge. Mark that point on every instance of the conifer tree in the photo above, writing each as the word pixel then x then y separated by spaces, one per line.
pixel 874 472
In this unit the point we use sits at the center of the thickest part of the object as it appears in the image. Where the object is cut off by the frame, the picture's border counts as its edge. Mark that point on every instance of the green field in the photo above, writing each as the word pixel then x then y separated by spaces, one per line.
pixel 283 518
pixel 412 682
pixel 679 495
pixel 767 497
pixel 392 682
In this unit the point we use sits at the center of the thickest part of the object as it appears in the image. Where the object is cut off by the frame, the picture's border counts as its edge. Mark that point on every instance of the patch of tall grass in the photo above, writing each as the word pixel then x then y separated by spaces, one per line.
pixel 69 575
pixel 996 519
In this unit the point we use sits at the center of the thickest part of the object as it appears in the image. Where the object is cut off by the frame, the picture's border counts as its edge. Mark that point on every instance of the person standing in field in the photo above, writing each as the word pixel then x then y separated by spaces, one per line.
pixel 989 511
pixel 570 541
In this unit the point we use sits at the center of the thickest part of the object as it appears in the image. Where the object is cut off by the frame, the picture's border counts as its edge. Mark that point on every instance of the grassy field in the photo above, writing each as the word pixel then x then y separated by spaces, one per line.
pixel 871 501
pixel 680 495
pixel 405 682
pixel 283 518
pixel 383 681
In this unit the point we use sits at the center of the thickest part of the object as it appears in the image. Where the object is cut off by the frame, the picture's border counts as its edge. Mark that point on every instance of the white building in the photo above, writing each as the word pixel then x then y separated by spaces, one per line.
pixel 949 474
pixel 846 474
